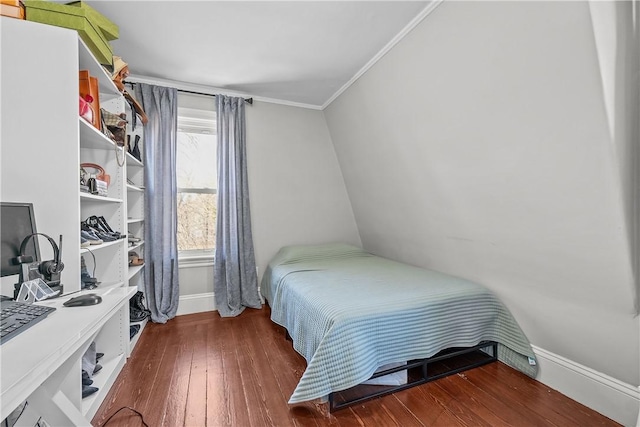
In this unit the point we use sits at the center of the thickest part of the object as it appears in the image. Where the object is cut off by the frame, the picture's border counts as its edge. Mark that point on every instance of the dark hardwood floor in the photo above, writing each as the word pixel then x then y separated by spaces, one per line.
pixel 202 370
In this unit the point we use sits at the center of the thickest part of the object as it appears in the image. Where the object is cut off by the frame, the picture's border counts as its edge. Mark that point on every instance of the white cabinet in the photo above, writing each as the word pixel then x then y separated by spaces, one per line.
pixel 135 218
pixel 43 143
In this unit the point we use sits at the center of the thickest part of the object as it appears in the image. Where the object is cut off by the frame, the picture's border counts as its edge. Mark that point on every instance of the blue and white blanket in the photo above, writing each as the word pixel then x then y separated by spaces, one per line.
pixel 349 312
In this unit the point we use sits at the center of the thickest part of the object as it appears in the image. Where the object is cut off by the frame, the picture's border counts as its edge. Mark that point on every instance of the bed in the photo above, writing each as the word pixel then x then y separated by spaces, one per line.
pixel 349 312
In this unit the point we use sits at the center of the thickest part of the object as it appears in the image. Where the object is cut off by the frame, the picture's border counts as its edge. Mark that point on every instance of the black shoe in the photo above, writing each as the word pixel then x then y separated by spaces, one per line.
pixel 133 330
pixel 85 378
pixel 136 315
pixel 137 302
pixel 88 390
pixel 99 356
pixel 97 369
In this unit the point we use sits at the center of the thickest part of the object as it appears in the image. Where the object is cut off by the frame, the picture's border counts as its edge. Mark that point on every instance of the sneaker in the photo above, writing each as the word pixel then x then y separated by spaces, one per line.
pixel 84 243
pixel 91 237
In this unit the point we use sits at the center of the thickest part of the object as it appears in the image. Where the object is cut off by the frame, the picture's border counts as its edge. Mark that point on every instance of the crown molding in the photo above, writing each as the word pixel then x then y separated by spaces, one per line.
pixel 213 90
pixel 401 35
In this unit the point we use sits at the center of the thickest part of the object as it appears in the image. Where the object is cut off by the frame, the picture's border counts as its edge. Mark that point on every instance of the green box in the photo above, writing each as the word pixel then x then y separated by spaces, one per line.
pixel 74 18
pixel 108 28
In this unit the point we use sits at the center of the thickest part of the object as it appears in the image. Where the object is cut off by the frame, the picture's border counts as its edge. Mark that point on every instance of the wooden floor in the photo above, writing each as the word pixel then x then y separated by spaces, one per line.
pixel 202 370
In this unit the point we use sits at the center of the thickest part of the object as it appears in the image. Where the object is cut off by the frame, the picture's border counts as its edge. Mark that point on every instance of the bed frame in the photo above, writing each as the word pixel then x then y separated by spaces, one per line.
pixel 447 362
pixel 419 371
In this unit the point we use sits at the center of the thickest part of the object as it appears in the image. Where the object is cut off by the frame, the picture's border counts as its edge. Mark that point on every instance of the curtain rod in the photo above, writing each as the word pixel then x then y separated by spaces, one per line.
pixel 247 100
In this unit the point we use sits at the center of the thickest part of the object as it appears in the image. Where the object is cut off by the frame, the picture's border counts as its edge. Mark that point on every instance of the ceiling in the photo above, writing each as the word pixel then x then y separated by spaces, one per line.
pixel 299 52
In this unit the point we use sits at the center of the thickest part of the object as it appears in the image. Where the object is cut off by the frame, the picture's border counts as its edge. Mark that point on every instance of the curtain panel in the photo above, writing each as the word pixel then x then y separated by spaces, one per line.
pixel 161 224
pixel 235 278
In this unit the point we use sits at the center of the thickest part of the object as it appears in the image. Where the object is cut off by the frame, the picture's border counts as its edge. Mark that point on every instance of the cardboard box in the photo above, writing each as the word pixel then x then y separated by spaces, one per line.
pixel 12 9
pixel 74 18
pixel 108 28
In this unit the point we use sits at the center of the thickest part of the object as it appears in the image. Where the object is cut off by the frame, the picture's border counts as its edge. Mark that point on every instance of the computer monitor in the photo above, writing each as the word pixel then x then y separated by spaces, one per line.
pixel 17 221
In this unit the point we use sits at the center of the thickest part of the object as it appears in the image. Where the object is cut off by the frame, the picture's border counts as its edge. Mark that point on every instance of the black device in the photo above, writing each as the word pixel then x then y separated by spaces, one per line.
pixel 20 251
pixel 49 271
pixel 17 221
pixel 83 300
pixel 16 317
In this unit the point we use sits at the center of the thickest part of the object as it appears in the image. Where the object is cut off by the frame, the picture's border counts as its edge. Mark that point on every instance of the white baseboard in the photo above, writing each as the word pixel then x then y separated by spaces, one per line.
pixel 610 397
pixel 196 303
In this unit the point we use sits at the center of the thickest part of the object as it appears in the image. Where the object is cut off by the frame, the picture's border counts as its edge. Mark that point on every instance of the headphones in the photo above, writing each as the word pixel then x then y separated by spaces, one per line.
pixel 54 266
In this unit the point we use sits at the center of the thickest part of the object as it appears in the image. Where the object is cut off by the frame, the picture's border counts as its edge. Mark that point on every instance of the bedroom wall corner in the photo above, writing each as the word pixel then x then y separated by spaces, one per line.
pixel 297 191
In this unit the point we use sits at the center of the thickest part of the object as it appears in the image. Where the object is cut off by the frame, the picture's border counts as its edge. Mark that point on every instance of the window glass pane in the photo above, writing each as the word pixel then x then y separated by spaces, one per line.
pixel 196 221
pixel 196 160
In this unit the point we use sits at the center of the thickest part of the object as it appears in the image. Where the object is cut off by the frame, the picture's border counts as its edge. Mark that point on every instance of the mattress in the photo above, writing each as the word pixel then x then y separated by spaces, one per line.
pixel 349 312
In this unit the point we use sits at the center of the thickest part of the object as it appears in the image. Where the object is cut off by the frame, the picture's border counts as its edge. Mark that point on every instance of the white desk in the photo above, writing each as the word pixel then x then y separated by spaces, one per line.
pixel 43 364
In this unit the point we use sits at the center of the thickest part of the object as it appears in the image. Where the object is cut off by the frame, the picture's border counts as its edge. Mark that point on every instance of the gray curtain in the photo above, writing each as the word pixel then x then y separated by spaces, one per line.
pixel 234 269
pixel 161 221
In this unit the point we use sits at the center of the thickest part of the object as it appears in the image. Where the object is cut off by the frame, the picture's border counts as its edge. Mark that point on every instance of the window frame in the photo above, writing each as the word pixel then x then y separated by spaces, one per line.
pixel 203 121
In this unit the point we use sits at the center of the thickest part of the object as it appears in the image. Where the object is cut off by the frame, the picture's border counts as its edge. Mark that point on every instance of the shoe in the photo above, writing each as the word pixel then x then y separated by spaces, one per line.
pixel 88 390
pixel 99 356
pixel 84 243
pixel 134 259
pixel 100 224
pixel 137 302
pixel 136 315
pixel 133 330
pixel 91 237
pixel 87 281
pixel 97 369
pixel 85 378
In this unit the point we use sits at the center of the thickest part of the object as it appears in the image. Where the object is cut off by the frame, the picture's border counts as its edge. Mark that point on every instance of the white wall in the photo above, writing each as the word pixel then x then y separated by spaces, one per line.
pixel 296 189
pixel 480 146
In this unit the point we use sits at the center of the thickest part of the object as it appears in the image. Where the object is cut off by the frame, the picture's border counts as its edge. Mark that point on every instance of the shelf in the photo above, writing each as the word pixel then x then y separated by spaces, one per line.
pixel 134 188
pixel 136 338
pixel 90 137
pixel 136 246
pixel 135 270
pixel 103 380
pixel 134 220
pixel 132 161
pixel 87 197
pixel 89 62
pixel 104 245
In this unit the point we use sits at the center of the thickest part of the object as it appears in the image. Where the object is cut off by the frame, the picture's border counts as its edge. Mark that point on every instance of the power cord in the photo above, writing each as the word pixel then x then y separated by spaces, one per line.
pixel 94 263
pixel 129 408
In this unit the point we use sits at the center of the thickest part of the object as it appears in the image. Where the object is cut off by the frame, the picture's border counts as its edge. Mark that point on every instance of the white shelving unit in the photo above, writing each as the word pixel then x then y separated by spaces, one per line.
pixel 43 143
pixel 135 216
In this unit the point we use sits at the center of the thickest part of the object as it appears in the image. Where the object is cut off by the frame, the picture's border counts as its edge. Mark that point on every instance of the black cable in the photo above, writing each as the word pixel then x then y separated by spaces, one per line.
pixel 94 263
pixel 131 409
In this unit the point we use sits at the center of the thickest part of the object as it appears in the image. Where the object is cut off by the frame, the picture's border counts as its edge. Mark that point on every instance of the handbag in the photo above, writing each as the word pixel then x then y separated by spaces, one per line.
pixel 84 109
pixel 100 173
pixel 116 124
pixel 89 92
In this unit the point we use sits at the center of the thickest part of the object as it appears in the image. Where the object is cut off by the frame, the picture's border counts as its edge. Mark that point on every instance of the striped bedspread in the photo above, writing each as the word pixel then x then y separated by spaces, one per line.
pixel 349 312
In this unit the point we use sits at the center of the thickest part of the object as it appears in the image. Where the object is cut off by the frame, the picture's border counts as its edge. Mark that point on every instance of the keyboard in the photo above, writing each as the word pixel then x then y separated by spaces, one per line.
pixel 17 317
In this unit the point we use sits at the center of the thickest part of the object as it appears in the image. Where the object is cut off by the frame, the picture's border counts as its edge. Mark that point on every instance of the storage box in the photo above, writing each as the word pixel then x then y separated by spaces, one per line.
pixel 12 8
pixel 74 18
pixel 108 28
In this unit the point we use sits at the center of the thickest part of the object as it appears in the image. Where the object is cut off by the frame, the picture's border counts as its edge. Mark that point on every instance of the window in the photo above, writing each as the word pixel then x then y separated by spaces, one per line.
pixel 196 181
